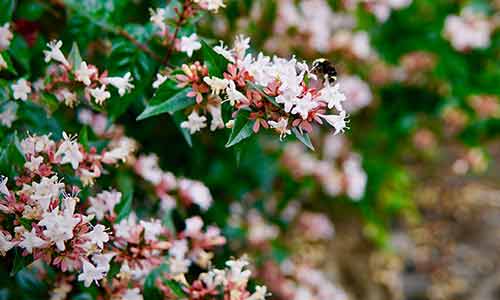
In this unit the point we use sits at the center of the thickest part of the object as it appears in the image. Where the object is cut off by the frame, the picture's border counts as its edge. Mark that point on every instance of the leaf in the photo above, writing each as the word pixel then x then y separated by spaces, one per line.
pixel 175 288
pixel 178 118
pixel 151 292
pixel 303 138
pixel 10 67
pixel 124 207
pixel 31 284
pixel 242 128
pixel 6 11
pixel 215 62
pixel 168 221
pixel 74 57
pixel 177 102
pixel 11 156
pixel 20 262
pixel 83 137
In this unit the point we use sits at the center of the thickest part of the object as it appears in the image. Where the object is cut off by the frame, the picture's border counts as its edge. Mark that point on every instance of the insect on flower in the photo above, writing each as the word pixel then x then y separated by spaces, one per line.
pixel 324 68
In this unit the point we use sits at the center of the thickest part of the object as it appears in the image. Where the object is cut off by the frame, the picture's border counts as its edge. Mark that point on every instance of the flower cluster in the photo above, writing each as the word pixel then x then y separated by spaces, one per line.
pixel 469 30
pixel 277 93
pixel 66 80
pixel 338 172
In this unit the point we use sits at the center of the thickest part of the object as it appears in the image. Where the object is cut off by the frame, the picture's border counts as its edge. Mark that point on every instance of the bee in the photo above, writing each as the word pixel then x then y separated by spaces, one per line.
pixel 325 68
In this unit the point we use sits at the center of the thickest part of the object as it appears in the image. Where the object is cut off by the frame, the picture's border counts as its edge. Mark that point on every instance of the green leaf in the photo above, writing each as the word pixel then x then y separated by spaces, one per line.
pixel 30 284
pixel 50 102
pixel 303 138
pixel 168 221
pixel 83 137
pixel 178 101
pixel 242 128
pixel 6 11
pixel 215 62
pixel 126 187
pixel 11 156
pixel 175 288
pixel 20 262
pixel 10 66
pixel 74 57
pixel 151 292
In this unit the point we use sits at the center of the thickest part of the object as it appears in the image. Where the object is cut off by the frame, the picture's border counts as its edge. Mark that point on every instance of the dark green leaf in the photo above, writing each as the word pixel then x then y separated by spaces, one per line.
pixel 7 8
pixel 175 288
pixel 126 187
pixel 242 128
pixel 74 57
pixel 151 292
pixel 215 62
pixel 303 138
pixel 10 67
pixel 178 118
pixel 177 102
pixel 20 262
pixel 83 137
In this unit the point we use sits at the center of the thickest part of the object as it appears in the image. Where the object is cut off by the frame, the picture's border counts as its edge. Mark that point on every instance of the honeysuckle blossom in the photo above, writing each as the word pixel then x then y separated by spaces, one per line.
pixel 152 230
pixel 9 114
pixel 45 191
pixel 469 30
pixel 5 36
pixel 196 192
pixel 281 127
pixel 216 84
pixel 100 94
pixel 337 121
pixel 121 83
pixel 69 151
pixel 21 89
pixel 194 123
pixel 90 273
pixel 64 95
pixel 217 121
pixel 304 105
pixel 160 79
pixel 59 226
pixel 31 240
pixel 103 203
pixel 132 294
pixel 233 95
pixel 212 5
pixel 34 163
pixel 98 235
pixel 84 72
pixel 5 243
pixel 158 19
pixel 333 96
pixel 356 90
pixel 55 53
pixel 189 44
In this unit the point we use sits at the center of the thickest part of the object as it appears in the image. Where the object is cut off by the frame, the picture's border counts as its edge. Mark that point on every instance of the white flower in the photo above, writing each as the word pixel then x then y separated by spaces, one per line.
pixel 194 123
pixel 8 116
pixel 34 163
pixel 64 95
pixel 5 36
pixel 31 240
pixel 21 89
pixel 122 149
pixel 469 30
pixel 212 5
pixel 233 95
pixel 333 96
pixel 216 84
pixel 45 191
pixel 158 18
pixel 179 265
pixel 288 101
pixel 125 227
pixel 103 203
pixel 3 63
pixel 121 83
pixel 103 260
pixel 152 230
pixel 55 53
pixel 356 177
pixel 193 226
pixel 236 273
pixel 69 151
pixel 197 192
pixel 90 273
pixel 337 121
pixel 3 185
pixel 259 294
pixel 100 94
pixel 190 44
pixel 281 127
pixel 132 294
pixel 241 44
pixel 160 79
pixel 304 106
pixel 5 243
pixel 357 91
pixel 217 121
pixel 83 73
pixel 98 235
pixel 178 249
pixel 59 227
pixel 224 51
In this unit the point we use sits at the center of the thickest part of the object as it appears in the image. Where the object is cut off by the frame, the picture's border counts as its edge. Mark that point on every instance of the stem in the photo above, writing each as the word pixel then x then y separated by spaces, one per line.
pixel 178 24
